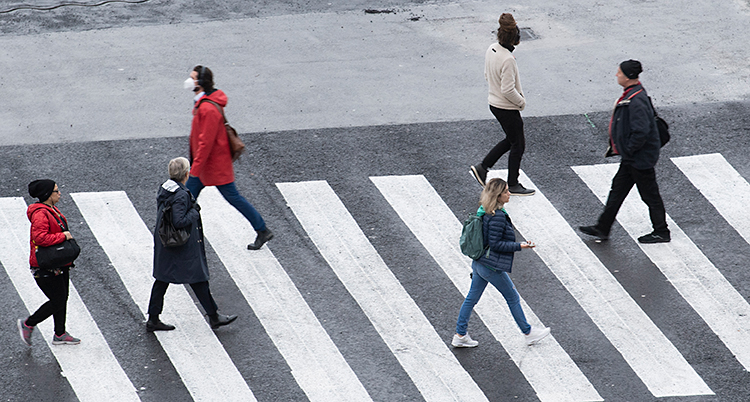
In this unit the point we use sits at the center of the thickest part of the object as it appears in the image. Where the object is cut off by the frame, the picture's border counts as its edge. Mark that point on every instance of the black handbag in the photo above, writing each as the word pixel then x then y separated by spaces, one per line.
pixel 168 234
pixel 661 125
pixel 58 255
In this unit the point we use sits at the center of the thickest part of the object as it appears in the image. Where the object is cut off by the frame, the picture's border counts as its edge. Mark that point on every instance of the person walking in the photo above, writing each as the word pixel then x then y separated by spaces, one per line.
pixel 48 227
pixel 210 151
pixel 181 264
pixel 506 102
pixel 634 136
pixel 495 265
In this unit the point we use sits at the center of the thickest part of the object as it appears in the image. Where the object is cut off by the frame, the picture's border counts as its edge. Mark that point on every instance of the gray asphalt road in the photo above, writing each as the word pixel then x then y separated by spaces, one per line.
pixel 345 158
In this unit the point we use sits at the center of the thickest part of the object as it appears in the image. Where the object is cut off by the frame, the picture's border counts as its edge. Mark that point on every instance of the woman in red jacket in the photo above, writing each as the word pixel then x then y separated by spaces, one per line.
pixel 48 227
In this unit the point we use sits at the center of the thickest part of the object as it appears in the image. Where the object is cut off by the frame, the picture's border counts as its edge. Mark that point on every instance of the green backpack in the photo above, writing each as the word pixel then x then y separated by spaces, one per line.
pixel 472 236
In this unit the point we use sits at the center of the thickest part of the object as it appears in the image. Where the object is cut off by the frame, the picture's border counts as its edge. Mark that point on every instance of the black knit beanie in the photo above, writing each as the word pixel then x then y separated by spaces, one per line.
pixel 631 68
pixel 41 189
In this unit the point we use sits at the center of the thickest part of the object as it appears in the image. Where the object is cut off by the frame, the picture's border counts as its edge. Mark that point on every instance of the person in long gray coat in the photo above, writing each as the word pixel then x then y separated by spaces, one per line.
pixel 185 263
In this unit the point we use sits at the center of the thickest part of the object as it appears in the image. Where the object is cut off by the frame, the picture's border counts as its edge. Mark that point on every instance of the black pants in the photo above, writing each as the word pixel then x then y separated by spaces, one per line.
pixel 201 290
pixel 622 183
pixel 56 290
pixel 515 142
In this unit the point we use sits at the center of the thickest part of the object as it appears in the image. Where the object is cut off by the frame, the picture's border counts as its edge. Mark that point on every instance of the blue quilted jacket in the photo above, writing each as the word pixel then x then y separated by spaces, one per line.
pixel 501 238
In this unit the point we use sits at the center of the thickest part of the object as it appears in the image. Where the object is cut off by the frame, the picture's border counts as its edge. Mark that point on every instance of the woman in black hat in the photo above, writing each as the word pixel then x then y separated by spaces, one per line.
pixel 48 227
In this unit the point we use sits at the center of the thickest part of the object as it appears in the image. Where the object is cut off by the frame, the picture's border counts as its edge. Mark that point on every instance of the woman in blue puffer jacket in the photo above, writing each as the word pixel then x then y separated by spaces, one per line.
pixel 495 264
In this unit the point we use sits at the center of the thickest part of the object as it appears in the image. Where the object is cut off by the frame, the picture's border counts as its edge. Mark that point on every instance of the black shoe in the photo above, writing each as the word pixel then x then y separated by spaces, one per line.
pixel 158 326
pixel 654 238
pixel 593 231
pixel 221 320
pixel 479 173
pixel 518 189
pixel 261 239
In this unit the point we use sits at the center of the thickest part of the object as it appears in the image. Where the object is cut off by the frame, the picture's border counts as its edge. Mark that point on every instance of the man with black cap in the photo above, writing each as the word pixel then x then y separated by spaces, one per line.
pixel 634 136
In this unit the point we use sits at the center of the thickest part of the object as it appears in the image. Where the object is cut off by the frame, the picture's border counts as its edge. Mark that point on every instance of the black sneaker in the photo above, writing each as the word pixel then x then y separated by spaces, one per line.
pixel 518 189
pixel 158 326
pixel 479 173
pixel 593 231
pixel 654 238
pixel 261 239
pixel 221 320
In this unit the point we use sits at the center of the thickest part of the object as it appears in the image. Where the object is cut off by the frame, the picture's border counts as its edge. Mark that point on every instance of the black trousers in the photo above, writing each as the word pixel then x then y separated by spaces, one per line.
pixel 622 183
pixel 515 142
pixel 56 290
pixel 201 290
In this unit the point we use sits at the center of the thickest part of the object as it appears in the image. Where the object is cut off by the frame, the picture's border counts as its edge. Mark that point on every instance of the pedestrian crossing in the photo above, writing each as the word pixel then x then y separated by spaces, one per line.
pixel 317 365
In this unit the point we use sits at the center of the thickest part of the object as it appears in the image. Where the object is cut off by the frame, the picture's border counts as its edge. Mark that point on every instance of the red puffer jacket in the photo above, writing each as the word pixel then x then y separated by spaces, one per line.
pixel 209 145
pixel 45 231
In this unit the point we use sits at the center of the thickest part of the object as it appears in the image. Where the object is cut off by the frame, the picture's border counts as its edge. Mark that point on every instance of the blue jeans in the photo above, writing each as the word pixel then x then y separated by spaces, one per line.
pixel 233 197
pixel 502 282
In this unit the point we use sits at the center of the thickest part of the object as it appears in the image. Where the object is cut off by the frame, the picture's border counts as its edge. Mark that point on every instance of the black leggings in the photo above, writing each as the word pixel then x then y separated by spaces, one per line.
pixel 512 124
pixel 201 290
pixel 56 290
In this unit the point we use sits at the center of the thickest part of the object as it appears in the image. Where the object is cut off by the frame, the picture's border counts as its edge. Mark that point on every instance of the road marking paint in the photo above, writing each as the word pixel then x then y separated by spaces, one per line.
pixel 644 347
pixel 81 364
pixel 550 371
pixel 423 354
pixel 697 280
pixel 316 363
pixel 196 353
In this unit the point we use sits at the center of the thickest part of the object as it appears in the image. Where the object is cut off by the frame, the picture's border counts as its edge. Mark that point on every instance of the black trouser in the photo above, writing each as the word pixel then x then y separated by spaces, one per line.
pixel 201 290
pixel 512 124
pixel 622 183
pixel 56 290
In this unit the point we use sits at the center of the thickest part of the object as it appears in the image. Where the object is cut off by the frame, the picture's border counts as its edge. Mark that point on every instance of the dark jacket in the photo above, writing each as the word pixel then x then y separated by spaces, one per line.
pixel 634 131
pixel 500 236
pixel 186 263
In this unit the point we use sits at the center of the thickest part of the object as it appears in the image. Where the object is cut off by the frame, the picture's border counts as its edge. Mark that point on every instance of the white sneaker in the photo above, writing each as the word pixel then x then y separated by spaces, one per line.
pixel 536 335
pixel 463 342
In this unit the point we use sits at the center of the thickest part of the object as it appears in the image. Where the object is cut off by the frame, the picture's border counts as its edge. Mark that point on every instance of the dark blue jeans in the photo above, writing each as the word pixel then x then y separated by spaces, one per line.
pixel 233 197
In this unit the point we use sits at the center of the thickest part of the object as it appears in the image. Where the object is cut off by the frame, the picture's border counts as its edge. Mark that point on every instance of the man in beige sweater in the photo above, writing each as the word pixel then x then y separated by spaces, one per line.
pixel 506 102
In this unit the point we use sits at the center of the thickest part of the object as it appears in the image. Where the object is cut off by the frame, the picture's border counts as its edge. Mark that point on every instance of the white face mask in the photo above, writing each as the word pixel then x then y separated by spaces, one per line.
pixel 189 83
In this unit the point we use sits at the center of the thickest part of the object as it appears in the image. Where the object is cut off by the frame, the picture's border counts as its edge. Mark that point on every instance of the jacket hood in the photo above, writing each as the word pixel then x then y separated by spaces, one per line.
pixel 168 190
pixel 217 96
pixel 35 207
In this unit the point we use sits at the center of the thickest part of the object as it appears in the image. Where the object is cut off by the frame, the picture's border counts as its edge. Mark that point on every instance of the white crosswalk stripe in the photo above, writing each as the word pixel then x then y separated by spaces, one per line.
pixel 316 364
pixel 651 355
pixel 687 268
pixel 404 328
pixel 82 364
pixel 196 353
pixel 550 371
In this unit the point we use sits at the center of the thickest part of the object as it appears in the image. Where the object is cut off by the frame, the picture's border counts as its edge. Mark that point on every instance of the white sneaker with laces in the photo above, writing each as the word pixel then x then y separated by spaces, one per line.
pixel 536 335
pixel 463 341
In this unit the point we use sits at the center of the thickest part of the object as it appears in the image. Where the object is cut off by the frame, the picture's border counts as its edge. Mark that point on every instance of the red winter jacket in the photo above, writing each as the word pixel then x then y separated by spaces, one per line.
pixel 209 145
pixel 45 231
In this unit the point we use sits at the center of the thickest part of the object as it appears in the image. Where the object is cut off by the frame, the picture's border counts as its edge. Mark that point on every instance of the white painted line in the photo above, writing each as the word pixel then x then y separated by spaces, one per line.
pixel 90 367
pixel 644 347
pixel 196 353
pixel 697 280
pixel 550 371
pixel 397 318
pixel 722 185
pixel 316 363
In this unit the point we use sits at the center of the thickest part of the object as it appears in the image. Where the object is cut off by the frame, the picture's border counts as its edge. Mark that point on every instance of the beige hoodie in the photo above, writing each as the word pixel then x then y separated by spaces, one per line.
pixel 501 73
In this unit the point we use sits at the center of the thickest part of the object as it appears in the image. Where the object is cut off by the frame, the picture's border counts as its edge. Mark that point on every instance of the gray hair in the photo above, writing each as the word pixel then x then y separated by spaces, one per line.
pixel 178 168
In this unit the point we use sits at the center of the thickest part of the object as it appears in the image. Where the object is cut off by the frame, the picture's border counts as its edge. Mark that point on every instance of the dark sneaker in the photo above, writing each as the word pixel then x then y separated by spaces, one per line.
pixel 221 320
pixel 261 239
pixel 479 173
pixel 25 331
pixel 518 189
pixel 654 238
pixel 65 339
pixel 593 231
pixel 158 326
